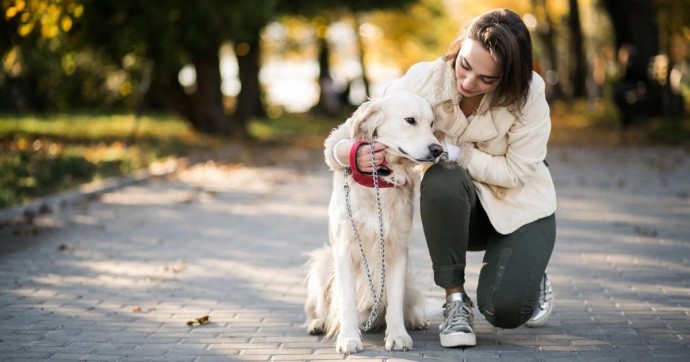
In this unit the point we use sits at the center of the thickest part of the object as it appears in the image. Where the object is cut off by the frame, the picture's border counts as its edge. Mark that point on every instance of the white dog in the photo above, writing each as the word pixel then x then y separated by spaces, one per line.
pixel 339 292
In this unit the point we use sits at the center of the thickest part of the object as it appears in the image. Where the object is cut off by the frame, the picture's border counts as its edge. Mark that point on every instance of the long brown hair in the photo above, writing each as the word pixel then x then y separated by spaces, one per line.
pixel 504 35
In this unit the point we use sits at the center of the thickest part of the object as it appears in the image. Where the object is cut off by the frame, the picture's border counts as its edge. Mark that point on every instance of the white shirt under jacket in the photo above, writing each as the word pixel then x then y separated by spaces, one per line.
pixel 502 152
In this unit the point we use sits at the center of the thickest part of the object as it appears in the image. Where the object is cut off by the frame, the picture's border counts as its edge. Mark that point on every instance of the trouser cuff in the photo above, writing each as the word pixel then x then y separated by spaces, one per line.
pixel 449 276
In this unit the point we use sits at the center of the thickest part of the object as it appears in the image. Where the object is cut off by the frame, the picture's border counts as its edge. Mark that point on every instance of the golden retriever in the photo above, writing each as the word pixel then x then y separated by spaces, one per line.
pixel 339 294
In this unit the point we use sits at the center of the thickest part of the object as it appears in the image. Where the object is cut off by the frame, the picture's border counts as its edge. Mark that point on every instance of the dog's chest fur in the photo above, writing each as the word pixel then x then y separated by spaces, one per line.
pixel 397 205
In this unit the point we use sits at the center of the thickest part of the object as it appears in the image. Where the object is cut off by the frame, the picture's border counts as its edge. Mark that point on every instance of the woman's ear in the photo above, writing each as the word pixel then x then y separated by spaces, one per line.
pixel 365 120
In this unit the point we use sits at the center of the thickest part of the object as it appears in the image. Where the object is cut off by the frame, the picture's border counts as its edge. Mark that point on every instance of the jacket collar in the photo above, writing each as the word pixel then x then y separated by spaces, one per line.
pixel 481 128
pixel 443 86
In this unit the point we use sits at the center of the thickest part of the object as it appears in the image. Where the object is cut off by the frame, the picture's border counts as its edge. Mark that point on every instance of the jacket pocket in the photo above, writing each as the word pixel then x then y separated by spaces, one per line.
pixel 497 146
pixel 503 193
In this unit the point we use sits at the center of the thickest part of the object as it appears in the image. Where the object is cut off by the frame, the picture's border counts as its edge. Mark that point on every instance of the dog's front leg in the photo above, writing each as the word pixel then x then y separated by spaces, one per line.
pixel 396 334
pixel 349 339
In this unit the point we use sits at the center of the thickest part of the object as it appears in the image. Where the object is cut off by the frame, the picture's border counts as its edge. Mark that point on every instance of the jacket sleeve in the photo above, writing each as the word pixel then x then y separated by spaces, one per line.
pixel 527 142
pixel 339 133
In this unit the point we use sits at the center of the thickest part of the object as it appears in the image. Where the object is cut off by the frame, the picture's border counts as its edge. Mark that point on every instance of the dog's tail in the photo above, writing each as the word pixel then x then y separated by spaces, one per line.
pixel 319 281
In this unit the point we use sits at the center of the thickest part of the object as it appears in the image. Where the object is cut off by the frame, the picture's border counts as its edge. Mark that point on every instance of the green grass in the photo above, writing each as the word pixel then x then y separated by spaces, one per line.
pixel 94 127
pixel 41 155
pixel 300 128
pixel 580 123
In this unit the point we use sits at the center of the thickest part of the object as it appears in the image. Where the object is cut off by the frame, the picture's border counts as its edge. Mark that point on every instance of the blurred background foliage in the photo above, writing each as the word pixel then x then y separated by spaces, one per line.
pixel 91 89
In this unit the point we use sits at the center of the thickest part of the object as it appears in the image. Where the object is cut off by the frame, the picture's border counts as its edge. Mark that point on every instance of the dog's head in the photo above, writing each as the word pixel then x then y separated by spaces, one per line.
pixel 403 121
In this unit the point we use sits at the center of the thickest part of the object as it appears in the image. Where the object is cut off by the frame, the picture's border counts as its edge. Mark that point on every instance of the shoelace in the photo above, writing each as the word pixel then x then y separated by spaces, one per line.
pixel 544 292
pixel 458 318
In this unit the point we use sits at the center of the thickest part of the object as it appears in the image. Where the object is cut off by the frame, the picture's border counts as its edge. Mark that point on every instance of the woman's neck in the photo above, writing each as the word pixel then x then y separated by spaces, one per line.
pixel 469 105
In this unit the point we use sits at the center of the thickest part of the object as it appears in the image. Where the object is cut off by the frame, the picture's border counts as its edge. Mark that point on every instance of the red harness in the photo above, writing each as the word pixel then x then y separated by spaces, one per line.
pixel 362 178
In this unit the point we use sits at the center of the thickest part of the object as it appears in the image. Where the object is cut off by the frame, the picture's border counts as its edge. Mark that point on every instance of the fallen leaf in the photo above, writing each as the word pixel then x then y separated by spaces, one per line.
pixel 67 247
pixel 199 321
pixel 646 231
pixel 139 309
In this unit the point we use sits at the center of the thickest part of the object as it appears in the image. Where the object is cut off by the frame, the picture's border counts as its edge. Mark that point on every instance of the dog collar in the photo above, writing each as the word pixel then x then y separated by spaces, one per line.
pixel 365 179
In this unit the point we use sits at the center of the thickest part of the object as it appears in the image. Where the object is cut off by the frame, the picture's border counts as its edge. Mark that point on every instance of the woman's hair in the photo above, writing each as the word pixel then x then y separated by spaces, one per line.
pixel 504 35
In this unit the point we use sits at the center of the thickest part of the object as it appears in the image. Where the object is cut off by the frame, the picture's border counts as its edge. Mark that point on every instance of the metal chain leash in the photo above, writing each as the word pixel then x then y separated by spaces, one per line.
pixel 377 298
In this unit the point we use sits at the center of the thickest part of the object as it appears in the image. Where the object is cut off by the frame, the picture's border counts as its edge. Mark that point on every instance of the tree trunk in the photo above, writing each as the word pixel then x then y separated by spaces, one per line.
pixel 633 22
pixel 203 108
pixel 331 100
pixel 167 93
pixel 672 39
pixel 578 74
pixel 637 33
pixel 249 102
pixel 360 45
pixel 207 100
pixel 545 30
pixel 328 96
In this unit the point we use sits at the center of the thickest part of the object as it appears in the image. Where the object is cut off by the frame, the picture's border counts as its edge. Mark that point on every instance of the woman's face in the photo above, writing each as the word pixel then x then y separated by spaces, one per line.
pixel 476 71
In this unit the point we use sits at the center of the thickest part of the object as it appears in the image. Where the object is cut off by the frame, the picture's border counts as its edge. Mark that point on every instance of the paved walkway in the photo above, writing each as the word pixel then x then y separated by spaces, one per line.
pixel 120 277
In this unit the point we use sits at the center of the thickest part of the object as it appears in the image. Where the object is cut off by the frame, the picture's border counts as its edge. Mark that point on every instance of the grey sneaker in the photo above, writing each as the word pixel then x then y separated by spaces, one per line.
pixel 457 330
pixel 543 310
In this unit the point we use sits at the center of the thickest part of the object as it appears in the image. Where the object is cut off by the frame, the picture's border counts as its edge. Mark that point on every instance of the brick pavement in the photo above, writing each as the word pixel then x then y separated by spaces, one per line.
pixel 119 278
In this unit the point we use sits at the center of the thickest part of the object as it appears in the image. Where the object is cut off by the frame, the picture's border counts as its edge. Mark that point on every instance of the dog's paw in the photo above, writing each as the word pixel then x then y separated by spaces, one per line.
pixel 398 341
pixel 348 345
pixel 416 323
pixel 316 327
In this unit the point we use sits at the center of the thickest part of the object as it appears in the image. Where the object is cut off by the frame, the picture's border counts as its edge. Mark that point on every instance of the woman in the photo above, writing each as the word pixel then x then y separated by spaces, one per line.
pixel 492 189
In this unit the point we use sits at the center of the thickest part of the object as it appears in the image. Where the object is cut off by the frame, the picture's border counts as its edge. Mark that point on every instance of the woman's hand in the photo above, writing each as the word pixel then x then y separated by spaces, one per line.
pixel 364 163
pixel 363 159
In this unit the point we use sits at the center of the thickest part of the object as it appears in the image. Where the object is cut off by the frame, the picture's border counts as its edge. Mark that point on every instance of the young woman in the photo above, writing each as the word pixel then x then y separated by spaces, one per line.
pixel 492 190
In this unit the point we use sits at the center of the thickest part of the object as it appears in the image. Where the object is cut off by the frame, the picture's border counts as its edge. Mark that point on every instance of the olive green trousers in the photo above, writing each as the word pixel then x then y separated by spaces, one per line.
pixel 454 223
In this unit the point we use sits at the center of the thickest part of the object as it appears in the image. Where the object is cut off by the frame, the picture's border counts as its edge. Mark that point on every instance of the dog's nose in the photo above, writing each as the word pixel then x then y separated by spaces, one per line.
pixel 435 149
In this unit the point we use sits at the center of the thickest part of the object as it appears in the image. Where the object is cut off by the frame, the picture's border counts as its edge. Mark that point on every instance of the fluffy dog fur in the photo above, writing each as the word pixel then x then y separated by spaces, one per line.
pixel 339 299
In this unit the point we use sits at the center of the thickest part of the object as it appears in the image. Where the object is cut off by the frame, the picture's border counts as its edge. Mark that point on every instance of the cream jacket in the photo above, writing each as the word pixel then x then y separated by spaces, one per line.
pixel 503 153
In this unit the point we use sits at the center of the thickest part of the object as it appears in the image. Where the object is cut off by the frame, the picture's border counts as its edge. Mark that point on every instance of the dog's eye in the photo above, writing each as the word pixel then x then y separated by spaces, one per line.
pixel 432 124
pixel 410 120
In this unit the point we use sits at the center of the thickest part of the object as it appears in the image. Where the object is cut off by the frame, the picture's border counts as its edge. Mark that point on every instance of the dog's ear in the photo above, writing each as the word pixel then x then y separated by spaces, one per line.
pixel 365 120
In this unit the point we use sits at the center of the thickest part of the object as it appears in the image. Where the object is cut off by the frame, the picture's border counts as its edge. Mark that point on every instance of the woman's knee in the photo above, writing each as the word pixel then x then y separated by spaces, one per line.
pixel 504 303
pixel 506 313
pixel 441 182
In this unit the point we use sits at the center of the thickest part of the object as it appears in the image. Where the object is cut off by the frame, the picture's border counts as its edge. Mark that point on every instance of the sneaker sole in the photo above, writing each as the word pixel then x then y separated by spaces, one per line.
pixel 541 321
pixel 458 340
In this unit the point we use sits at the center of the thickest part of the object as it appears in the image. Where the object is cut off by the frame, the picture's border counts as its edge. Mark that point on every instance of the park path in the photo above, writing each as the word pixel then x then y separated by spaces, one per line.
pixel 119 277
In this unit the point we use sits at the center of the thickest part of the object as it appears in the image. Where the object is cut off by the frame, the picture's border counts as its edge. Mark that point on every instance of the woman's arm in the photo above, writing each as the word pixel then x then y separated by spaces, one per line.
pixel 527 144
pixel 337 158
pixel 338 146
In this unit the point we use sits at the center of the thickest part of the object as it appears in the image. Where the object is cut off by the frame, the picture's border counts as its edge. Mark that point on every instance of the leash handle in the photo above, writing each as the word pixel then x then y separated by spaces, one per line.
pixel 367 179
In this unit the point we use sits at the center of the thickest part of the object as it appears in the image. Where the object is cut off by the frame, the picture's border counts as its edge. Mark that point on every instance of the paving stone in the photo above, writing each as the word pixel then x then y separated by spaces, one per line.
pixel 119 277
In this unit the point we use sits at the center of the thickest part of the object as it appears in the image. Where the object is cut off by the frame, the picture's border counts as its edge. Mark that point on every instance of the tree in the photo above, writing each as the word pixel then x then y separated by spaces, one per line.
pixel 330 100
pixel 547 35
pixel 323 14
pixel 633 23
pixel 159 38
pixel 173 33
pixel 36 75
pixel 636 34
pixel 420 33
pixel 578 73
pixel 673 16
